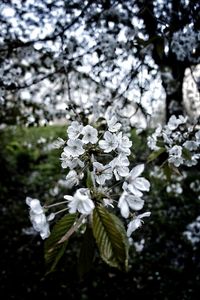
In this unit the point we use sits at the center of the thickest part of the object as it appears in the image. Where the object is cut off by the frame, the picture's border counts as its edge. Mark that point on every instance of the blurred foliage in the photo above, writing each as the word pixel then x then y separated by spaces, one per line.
pixel 168 266
pixel 27 164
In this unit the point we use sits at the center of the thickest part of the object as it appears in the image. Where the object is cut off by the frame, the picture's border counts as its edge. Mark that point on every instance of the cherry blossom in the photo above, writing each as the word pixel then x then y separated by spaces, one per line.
pixel 80 202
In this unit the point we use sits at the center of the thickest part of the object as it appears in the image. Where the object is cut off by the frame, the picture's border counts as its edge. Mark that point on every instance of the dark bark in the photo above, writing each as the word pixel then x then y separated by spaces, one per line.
pixel 174 89
pixel 172 70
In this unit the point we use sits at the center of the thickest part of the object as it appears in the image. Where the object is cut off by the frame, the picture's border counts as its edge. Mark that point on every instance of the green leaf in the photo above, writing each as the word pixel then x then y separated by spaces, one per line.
pixel 54 250
pixel 155 154
pixel 87 251
pixel 111 238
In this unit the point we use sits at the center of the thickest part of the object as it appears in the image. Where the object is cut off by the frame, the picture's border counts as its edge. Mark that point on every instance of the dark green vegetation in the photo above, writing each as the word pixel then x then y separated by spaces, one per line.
pixel 167 268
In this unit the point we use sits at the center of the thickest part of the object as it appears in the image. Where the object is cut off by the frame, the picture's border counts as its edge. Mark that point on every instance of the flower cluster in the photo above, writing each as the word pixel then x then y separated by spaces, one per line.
pixel 181 142
pixel 105 156
pixel 98 172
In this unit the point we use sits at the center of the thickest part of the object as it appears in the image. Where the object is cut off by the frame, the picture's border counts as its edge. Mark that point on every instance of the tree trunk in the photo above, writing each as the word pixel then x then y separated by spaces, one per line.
pixel 172 70
pixel 172 80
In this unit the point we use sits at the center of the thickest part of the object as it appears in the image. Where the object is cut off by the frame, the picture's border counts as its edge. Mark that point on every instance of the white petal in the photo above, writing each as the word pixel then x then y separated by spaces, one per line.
pixel 135 203
pixel 123 171
pixel 72 205
pixel 72 209
pixel 28 200
pixel 131 188
pixel 51 217
pixel 142 184
pixel 146 214
pixel 68 197
pixel 98 165
pixel 36 206
pixel 124 210
pixel 132 226
pixel 86 207
pixel 100 179
pixel 103 144
pixel 45 232
pixel 38 221
pixel 123 205
pixel 136 171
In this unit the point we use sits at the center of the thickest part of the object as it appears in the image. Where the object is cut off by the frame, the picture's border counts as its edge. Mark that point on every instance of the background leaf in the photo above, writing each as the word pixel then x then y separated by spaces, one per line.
pixel 87 252
pixel 53 250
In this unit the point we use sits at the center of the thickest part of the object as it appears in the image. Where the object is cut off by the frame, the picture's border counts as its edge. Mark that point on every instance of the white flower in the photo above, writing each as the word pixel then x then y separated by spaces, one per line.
pixel 176 151
pixel 126 200
pixel 89 135
pixel 70 162
pixel 65 159
pixel 102 173
pixel 80 202
pixel 175 155
pixel 58 143
pixel 75 162
pixel 174 122
pixel 74 147
pixel 123 144
pixel 38 218
pixel 74 130
pixel 113 126
pixel 191 145
pixel 109 143
pixel 119 166
pixel 72 179
pixel 134 184
pixel 40 224
pixel 136 223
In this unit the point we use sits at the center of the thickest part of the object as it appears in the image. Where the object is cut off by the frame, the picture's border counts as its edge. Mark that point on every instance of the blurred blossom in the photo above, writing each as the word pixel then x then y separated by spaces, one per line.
pixel 174 188
pixel 192 232
pixel 185 43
